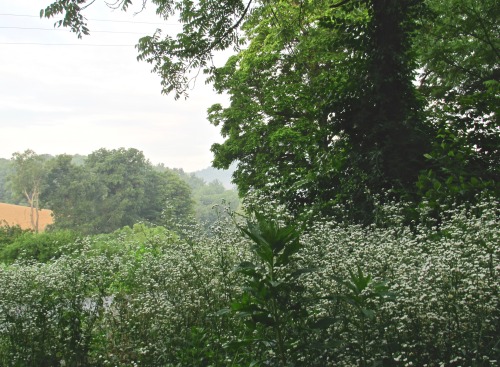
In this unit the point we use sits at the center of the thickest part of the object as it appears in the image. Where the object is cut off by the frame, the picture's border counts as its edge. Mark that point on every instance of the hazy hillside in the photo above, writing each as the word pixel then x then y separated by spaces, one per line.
pixel 211 174
pixel 5 191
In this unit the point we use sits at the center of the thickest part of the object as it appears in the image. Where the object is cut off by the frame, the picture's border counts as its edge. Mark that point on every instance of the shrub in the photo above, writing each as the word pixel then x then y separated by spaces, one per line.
pixel 8 234
pixel 39 246
pixel 384 295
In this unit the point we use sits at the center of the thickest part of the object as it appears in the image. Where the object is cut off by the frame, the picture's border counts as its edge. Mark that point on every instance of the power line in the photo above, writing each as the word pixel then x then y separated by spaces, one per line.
pixel 61 29
pixel 96 20
pixel 62 44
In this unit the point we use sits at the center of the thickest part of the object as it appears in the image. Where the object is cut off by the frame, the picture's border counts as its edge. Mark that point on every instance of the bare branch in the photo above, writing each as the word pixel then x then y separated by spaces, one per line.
pixel 86 6
pixel 114 5
pixel 143 7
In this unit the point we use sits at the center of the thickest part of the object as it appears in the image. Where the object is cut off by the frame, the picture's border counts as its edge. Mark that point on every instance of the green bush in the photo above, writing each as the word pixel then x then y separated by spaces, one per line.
pixel 39 246
pixel 8 234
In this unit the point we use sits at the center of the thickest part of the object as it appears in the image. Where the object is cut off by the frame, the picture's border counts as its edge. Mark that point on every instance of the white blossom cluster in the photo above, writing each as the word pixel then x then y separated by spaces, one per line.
pixel 444 308
pixel 148 297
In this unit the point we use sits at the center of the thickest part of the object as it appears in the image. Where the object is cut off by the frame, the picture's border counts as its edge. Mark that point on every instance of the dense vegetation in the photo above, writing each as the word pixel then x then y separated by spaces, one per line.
pixel 331 295
pixel 109 189
pixel 366 139
pixel 347 98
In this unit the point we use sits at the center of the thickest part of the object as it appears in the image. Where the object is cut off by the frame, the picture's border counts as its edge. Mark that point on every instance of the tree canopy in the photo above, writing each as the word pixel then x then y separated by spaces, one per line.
pixel 100 193
pixel 458 52
pixel 334 101
pixel 110 189
pixel 113 189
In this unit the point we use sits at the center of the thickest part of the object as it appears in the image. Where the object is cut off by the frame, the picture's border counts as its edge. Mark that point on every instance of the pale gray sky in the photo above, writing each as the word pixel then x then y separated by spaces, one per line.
pixel 76 99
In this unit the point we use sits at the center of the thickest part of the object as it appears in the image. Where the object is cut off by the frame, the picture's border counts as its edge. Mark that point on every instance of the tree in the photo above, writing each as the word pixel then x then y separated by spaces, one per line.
pixel 71 192
pixel 458 52
pixel 111 189
pixel 168 199
pixel 325 92
pixel 6 171
pixel 121 173
pixel 460 71
pixel 27 180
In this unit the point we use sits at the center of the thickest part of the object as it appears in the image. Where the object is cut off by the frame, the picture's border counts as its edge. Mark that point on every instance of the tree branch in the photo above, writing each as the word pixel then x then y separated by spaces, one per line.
pixel 338 5
pixel 228 31
pixel 86 6
pixel 211 46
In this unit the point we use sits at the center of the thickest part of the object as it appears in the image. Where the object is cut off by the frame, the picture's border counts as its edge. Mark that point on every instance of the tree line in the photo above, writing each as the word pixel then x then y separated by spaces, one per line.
pixel 107 190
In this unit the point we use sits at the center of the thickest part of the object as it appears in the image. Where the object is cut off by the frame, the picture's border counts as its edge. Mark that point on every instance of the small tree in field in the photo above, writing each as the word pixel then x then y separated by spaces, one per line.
pixel 27 181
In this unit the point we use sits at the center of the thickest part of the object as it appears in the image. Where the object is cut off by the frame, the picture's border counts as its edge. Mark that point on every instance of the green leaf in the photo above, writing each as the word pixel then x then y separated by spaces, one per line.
pixel 247 268
pixel 323 323
pixel 290 249
pixel 223 312
pixel 298 273
pixel 370 314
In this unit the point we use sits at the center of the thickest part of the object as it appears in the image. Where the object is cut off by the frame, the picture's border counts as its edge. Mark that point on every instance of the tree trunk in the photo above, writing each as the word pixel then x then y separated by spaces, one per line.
pixel 34 208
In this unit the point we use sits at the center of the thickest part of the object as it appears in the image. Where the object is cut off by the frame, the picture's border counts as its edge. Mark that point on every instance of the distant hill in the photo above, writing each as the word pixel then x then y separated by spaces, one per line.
pixel 210 174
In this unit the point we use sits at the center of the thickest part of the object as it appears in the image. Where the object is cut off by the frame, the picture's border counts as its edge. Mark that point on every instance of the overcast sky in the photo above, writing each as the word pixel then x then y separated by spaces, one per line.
pixel 78 98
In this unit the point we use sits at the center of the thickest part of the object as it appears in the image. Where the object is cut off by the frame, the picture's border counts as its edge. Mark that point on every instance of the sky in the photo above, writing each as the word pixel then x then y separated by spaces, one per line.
pixel 60 94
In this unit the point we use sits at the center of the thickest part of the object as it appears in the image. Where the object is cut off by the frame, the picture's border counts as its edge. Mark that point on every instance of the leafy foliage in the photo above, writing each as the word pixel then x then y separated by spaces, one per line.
pixel 71 193
pixel 211 200
pixel 327 92
pixel 74 193
pixel 6 194
pixel 459 78
pixel 9 233
pixel 112 189
pixel 271 304
pixel 41 247
pixel 391 295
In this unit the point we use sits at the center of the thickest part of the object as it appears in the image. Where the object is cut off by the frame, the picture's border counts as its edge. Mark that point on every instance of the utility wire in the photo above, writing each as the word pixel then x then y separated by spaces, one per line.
pixel 96 20
pixel 62 44
pixel 61 29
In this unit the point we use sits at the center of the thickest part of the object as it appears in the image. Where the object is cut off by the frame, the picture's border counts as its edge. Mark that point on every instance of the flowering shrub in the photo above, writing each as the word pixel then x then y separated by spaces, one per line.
pixel 443 308
pixel 422 294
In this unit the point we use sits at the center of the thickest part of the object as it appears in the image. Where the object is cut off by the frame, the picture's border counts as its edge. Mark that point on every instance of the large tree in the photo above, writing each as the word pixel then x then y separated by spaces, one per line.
pixel 112 189
pixel 323 93
pixel 72 192
pixel 121 172
pixel 324 106
pixel 168 199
